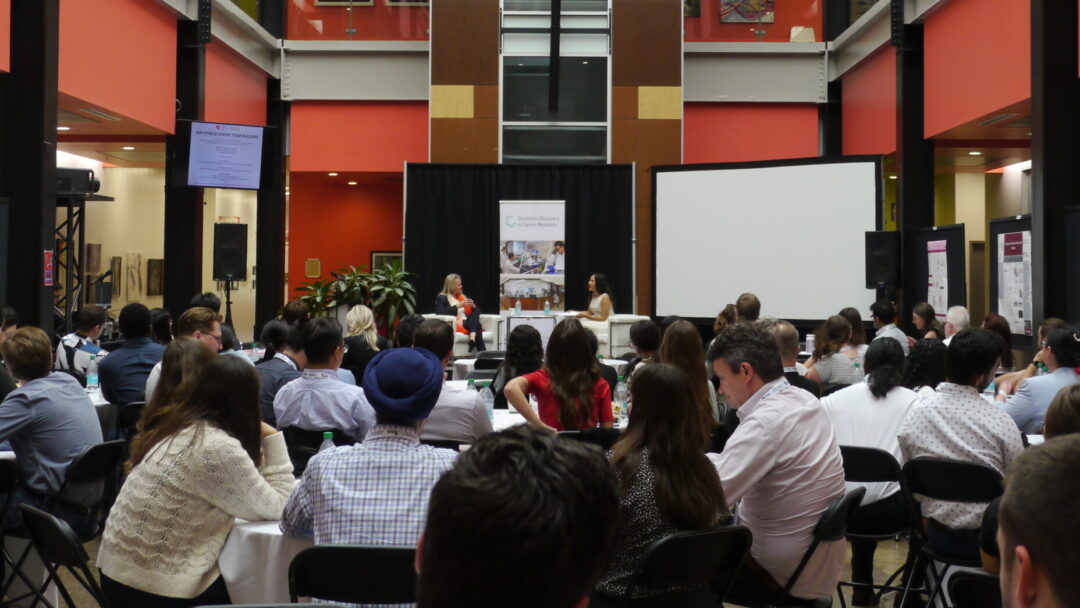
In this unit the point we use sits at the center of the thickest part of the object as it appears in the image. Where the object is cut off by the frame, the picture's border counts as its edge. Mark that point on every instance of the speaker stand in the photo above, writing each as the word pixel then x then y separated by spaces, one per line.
pixel 228 300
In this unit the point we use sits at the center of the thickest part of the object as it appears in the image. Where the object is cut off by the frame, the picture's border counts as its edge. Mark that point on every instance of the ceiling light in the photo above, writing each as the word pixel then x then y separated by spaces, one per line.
pixel 584 63
pixel 128 148
pixel 974 153
pixel 332 174
pixel 63 128
pixel 892 177
pixel 352 183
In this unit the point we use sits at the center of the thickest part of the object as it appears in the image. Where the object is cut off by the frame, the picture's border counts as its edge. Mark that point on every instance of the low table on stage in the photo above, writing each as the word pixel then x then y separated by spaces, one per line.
pixel 462 367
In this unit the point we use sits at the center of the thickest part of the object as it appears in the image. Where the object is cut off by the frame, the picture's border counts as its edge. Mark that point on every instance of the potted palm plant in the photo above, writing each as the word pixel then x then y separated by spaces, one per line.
pixel 319 297
pixel 392 295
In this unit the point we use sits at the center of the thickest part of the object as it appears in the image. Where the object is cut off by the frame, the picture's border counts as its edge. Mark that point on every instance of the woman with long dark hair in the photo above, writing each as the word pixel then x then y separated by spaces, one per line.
pixel 1000 325
pixel 858 330
pixel 869 414
pixel 524 355
pixel 600 305
pixel 666 483
pixel 835 360
pixel 924 318
pixel 925 367
pixel 570 392
pixel 682 348
pixel 195 467
pixel 182 365
pixel 161 326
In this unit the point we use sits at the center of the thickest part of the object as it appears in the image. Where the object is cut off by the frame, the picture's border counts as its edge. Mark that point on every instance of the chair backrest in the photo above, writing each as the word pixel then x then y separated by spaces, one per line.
pixel 442 443
pixel 952 480
pixel 970 589
pixel 693 558
pixel 296 437
pixel 96 463
pixel 602 437
pixel 53 538
pixel 128 416
pixel 869 465
pixel 832 389
pixel 487 363
pixel 832 525
pixel 355 574
pixel 481 374
pixel 9 475
pixel 74 373
pixel 491 354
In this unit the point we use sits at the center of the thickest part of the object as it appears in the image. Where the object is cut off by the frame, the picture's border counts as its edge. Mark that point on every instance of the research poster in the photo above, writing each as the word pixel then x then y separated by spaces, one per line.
pixel 532 255
pixel 1014 280
pixel 937 280
pixel 225 156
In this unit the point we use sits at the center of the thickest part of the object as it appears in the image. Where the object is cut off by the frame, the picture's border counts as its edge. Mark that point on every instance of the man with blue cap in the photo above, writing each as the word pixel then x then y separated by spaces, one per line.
pixel 376 492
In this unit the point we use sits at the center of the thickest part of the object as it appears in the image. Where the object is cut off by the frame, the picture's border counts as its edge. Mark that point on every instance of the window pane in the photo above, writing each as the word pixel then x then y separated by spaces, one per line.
pixel 582 89
pixel 539 145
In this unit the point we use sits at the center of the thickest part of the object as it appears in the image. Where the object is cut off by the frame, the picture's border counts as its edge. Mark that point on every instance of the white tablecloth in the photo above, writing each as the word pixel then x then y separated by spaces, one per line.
pixel 255 562
pixel 462 367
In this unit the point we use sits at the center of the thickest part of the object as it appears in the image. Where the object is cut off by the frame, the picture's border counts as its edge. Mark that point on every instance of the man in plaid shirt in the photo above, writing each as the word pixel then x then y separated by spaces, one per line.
pixel 376 492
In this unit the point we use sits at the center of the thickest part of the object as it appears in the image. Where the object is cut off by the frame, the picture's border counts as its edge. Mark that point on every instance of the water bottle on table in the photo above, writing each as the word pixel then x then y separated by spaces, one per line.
pixel 517 307
pixel 92 375
pixel 547 307
pixel 622 393
pixel 327 440
pixel 488 398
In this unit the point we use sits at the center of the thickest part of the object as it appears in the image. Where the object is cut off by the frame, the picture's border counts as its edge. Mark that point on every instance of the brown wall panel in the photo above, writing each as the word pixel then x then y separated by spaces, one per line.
pixel 646 42
pixel 486 104
pixel 465 42
pixel 624 102
pixel 461 140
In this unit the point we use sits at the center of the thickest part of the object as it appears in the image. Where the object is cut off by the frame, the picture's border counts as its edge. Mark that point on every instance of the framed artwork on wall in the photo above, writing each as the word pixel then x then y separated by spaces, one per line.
pixel 382 258
pixel 344 3
pixel 312 268
pixel 155 274
pixel 747 11
pixel 691 8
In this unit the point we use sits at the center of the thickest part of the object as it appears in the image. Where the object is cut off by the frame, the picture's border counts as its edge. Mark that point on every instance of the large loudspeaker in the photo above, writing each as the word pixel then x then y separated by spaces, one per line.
pixel 230 252
pixel 882 259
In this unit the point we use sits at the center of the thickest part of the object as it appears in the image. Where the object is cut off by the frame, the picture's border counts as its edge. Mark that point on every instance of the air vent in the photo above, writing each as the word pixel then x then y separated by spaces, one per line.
pixel 100 114
pixel 65 117
pixel 1023 123
pixel 996 119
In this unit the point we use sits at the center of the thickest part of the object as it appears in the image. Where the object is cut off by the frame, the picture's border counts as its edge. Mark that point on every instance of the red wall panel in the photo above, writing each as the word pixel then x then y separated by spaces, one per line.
pixel 788 13
pixel 869 105
pixel 357 136
pixel 977 60
pixel 338 224
pixel 5 35
pixel 235 88
pixel 121 55
pixel 732 132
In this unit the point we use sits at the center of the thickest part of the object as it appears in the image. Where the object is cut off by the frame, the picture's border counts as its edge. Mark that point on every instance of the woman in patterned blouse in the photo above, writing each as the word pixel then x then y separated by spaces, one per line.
pixel 666 484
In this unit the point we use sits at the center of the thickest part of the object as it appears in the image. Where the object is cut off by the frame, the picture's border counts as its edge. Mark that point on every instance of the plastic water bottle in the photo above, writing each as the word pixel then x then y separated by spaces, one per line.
pixel 92 374
pixel 489 400
pixel 517 307
pixel 810 343
pixel 327 440
pixel 547 307
pixel 621 395
pixel 472 384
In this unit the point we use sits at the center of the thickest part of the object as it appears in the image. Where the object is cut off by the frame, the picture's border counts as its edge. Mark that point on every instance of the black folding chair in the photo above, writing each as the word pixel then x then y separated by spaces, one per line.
pixel 9 480
pixel 489 359
pixel 443 443
pixel 950 481
pixel 127 419
pixel 873 465
pixel 355 574
pixel 693 559
pixel 107 414
pixel 481 374
pixel 58 545
pixel 302 444
pixel 834 388
pixel 969 589
pixel 604 438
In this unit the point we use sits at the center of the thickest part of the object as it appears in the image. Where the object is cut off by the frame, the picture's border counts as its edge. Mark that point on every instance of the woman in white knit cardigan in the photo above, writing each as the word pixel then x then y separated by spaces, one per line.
pixel 195 466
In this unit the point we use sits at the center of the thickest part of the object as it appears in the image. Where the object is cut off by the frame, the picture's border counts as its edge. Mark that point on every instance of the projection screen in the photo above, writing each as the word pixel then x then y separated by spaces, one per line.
pixel 791 232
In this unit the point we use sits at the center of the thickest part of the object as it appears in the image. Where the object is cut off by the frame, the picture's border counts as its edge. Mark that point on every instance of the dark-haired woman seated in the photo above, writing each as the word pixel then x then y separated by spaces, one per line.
pixel 524 355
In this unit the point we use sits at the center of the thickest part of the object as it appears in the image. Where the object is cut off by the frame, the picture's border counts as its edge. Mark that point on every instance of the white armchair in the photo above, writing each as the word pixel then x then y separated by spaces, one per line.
pixel 614 339
pixel 492 325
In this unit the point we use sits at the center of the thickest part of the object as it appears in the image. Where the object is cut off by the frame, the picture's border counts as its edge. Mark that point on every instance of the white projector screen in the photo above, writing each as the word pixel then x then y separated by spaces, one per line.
pixel 791 232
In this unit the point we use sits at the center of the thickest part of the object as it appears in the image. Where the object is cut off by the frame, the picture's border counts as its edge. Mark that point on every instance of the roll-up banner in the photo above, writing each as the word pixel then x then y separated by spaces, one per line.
pixel 532 255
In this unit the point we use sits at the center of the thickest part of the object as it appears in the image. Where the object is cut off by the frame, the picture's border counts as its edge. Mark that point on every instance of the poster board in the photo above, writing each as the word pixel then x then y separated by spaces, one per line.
pixel 928 244
pixel 999 228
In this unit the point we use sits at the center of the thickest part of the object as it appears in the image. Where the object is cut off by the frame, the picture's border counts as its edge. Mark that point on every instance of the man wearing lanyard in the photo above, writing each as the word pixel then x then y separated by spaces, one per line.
pixel 318 400
pixel 283 368
pixel 782 464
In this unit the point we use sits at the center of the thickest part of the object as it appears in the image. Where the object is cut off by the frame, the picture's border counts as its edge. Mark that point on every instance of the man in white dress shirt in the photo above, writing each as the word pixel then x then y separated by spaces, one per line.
pixel 459 414
pixel 957 319
pixel 318 400
pixel 782 464
pixel 883 313
pixel 200 323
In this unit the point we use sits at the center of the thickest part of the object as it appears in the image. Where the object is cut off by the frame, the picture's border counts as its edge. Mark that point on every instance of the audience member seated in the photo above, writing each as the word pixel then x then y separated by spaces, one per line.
pixel 782 465
pixel 667 322
pixel 666 484
pixel 487 545
pixel 206 300
pixel 787 340
pixel 195 466
pixel 569 391
pixel 1008 383
pixel 160 326
pixel 1039 536
pixel 1063 418
pixel 1000 326
pixel 645 340
pixel 858 330
pixel 957 319
pixel 1027 406
pixel 869 414
pixel 48 420
pixel 925 367
pixel 609 373
pixel 376 492
pixel 459 414
pixel 363 341
pixel 601 306
pixel 835 362
pixel 230 346
pixel 405 329
pixel 747 308
pixel 123 374
pixel 883 314
pixel 453 301
pixel 318 400
pixel 681 347
pixel 200 323
pixel 958 424
pixel 272 339
pixel 524 355
pixel 284 367
pixel 75 349
pixel 725 319
pixel 924 318
pixel 182 369
pixel 295 312
pixel 9 324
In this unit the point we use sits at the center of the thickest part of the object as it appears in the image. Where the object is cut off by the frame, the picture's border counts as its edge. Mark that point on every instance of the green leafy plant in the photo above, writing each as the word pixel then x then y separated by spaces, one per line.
pixel 319 296
pixel 353 286
pixel 393 296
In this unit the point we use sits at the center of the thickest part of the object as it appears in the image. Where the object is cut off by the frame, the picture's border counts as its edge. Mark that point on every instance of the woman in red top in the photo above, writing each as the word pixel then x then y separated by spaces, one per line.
pixel 569 390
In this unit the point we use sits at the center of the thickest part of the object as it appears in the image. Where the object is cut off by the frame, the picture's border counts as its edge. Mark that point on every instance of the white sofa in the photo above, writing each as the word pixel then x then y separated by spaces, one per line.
pixel 492 325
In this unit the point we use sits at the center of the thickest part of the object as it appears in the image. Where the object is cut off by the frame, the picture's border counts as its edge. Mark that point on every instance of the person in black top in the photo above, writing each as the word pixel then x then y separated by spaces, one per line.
pixel 787 338
pixel 524 355
pixel 363 341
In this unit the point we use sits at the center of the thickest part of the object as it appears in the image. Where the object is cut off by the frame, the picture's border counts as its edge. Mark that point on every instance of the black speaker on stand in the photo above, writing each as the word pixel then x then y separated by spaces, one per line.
pixel 883 262
pixel 230 259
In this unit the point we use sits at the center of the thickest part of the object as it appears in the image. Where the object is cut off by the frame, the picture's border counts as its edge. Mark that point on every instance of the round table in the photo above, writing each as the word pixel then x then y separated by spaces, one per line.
pixel 255 562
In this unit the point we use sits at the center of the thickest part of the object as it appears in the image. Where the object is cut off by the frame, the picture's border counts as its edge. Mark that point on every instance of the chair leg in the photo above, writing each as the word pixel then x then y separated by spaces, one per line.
pixel 840 594
pixel 16 570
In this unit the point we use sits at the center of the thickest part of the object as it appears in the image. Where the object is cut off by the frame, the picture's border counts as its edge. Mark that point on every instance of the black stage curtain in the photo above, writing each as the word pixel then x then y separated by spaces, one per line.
pixel 452 225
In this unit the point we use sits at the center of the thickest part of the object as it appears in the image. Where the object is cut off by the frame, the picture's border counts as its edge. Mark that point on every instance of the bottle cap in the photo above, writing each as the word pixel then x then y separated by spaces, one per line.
pixel 620 378
pixel 328 435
